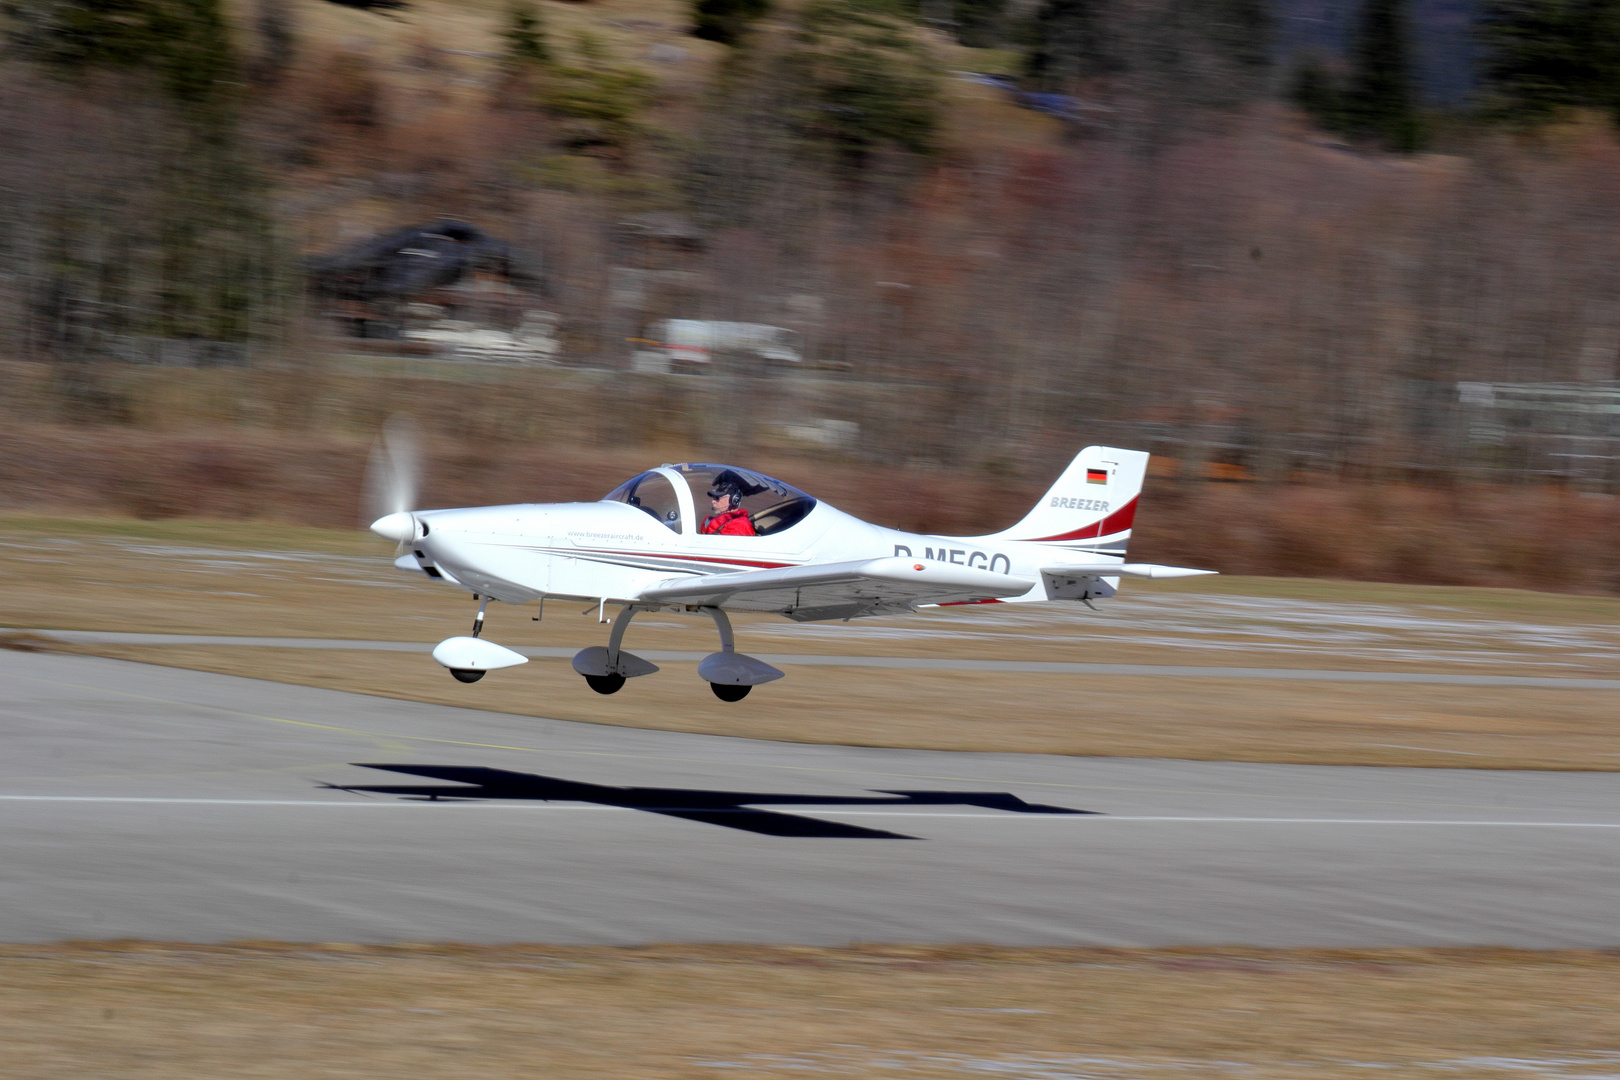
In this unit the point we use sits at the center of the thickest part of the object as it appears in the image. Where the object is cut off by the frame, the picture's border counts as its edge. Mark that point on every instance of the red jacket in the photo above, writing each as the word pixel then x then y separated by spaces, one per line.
pixel 731 523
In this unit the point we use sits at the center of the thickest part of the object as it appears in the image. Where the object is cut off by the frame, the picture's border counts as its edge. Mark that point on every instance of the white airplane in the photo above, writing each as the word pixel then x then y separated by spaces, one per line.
pixel 650 545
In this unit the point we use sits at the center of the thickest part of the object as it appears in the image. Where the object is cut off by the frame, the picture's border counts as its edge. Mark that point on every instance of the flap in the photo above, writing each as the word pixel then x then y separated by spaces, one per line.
pixel 1142 570
pixel 840 590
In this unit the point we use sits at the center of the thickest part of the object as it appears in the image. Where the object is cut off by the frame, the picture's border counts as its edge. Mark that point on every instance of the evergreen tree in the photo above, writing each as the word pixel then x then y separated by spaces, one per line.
pixel 1542 56
pixel 184 42
pixel 1067 39
pixel 1207 52
pixel 278 42
pixel 980 24
pixel 862 81
pixel 1381 104
pixel 1241 30
pixel 1317 93
pixel 206 244
pixel 525 34
pixel 725 21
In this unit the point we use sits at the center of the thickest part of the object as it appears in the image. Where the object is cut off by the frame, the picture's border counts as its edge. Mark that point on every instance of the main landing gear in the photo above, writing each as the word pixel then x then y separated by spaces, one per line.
pixel 606 669
pixel 729 673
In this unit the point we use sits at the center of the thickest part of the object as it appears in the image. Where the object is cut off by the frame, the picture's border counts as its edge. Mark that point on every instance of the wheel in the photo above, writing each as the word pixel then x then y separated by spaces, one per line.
pixel 605 684
pixel 728 692
pixel 466 674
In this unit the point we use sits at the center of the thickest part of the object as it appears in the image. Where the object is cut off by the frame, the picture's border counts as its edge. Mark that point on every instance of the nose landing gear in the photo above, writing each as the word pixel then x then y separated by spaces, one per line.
pixel 468 658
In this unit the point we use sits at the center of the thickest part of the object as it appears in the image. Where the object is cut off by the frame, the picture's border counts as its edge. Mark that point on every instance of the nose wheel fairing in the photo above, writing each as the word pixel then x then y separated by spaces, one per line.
pixel 469 657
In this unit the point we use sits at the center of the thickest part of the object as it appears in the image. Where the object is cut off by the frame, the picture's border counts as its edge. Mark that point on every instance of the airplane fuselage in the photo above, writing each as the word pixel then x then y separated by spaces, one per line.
pixel 613 551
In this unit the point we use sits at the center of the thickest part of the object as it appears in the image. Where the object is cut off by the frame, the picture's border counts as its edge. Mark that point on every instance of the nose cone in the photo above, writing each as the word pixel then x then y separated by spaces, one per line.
pixel 400 527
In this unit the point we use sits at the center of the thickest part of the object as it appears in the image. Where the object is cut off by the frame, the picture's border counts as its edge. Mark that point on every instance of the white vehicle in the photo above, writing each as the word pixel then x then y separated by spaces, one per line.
pixel 693 341
pixel 643 547
pixel 534 341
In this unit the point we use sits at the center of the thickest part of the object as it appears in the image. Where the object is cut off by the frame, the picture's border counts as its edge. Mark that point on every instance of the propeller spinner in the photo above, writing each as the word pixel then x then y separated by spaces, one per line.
pixel 391 475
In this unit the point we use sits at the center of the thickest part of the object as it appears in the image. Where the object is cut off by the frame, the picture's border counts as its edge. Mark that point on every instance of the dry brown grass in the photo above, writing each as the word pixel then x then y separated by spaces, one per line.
pixel 701 1011
pixel 228 445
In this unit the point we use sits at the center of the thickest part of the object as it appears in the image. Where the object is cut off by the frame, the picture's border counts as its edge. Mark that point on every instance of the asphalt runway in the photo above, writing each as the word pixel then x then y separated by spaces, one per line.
pixel 151 802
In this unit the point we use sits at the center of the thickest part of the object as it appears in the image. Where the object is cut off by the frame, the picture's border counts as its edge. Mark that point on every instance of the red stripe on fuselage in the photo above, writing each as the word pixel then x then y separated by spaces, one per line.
pixel 1118 521
pixel 692 558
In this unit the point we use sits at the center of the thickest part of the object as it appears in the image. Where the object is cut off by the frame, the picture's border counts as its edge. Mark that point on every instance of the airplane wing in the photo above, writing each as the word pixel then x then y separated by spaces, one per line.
pixel 847 590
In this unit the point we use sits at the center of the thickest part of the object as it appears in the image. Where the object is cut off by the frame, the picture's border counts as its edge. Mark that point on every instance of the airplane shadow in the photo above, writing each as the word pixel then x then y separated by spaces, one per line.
pixel 731 809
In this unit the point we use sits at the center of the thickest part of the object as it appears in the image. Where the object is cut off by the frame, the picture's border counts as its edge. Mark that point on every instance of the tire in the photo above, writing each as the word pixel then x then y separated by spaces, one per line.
pixel 605 684
pixel 727 692
pixel 466 674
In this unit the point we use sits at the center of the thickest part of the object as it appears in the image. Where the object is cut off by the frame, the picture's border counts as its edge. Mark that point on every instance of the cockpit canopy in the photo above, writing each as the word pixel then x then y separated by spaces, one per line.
pixel 772 506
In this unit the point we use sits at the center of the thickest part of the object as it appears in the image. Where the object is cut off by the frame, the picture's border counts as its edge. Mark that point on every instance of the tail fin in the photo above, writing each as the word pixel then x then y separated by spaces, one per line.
pixel 1091 506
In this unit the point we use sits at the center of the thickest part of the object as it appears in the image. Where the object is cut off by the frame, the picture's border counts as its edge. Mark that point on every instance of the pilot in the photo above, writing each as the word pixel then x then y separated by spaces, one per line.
pixel 729 518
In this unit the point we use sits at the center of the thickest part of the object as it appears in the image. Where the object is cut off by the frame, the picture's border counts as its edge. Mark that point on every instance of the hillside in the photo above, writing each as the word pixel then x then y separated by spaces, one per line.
pixel 1167 257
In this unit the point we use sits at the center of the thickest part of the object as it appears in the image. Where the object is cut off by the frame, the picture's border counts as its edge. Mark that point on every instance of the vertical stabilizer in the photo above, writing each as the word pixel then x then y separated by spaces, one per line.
pixel 1091 506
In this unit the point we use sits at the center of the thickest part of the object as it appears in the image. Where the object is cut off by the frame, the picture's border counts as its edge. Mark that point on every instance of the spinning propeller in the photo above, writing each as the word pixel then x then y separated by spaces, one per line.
pixel 391 475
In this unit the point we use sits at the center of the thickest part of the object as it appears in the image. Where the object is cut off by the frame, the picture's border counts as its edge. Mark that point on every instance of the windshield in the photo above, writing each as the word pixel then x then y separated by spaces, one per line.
pixel 772 506
pixel 653 493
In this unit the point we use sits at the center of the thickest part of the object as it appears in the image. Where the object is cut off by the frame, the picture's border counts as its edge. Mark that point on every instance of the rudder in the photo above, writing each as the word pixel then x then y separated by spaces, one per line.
pixel 1092 505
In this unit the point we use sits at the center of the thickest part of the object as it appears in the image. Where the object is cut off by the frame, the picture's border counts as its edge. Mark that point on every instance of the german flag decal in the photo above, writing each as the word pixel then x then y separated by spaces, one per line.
pixel 1096 476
